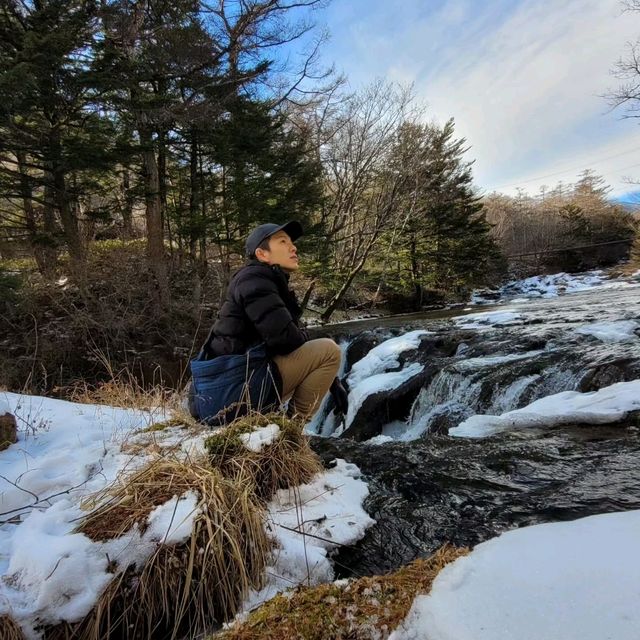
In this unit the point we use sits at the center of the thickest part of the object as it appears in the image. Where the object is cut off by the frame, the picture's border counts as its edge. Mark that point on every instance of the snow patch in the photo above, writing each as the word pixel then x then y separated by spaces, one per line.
pixel 172 522
pixel 617 331
pixel 384 356
pixel 609 404
pixel 569 580
pixel 505 317
pixel 261 437
pixel 310 522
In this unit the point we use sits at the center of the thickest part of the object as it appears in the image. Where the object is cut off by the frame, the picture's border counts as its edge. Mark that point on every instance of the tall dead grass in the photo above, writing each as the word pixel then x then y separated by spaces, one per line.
pixel 287 462
pixel 9 629
pixel 182 589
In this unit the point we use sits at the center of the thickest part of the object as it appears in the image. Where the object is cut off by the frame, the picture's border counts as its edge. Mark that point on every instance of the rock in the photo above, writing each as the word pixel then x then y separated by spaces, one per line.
pixel 605 375
pixel 386 406
pixel 8 431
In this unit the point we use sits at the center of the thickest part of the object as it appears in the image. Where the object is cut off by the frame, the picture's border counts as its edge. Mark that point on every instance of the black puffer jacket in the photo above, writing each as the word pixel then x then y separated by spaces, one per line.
pixel 259 307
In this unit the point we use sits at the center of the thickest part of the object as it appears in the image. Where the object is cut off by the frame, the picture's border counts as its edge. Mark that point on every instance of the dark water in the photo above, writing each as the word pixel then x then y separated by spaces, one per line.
pixel 436 488
pixel 442 489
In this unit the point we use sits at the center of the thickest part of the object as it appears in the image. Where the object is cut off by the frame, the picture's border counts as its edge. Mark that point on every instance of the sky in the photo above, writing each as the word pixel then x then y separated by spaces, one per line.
pixel 523 79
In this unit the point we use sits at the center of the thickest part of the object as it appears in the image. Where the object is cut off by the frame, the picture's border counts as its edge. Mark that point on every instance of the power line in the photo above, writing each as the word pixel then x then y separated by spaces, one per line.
pixel 584 246
pixel 583 166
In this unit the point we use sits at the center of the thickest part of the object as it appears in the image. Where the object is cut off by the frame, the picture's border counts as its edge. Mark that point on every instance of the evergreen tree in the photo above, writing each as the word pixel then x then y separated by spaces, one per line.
pixel 52 131
pixel 444 240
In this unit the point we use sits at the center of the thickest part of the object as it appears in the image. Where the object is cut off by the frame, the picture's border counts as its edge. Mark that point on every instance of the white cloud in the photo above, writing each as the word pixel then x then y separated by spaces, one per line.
pixel 524 82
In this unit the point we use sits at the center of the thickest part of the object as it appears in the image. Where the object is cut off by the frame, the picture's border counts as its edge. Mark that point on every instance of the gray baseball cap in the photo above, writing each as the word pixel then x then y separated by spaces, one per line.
pixel 292 228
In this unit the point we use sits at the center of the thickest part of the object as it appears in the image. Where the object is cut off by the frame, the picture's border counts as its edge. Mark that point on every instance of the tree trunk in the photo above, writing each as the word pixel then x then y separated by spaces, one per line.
pixel 127 206
pixel 63 204
pixel 46 266
pixel 335 301
pixel 194 197
pixel 153 214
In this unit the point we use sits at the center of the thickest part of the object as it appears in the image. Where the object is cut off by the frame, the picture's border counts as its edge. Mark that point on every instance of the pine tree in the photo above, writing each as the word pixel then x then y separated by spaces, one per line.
pixel 52 132
pixel 445 238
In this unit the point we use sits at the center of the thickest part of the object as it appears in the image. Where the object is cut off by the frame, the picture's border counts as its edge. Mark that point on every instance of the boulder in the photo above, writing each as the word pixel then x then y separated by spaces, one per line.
pixel 8 430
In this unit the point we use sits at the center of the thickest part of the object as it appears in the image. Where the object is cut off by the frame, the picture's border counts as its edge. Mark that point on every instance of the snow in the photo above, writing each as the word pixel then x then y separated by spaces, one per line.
pixel 550 286
pixel 609 404
pixel 172 522
pixel 384 357
pixel 372 374
pixel 571 580
pixel 329 511
pixel 63 448
pixel 376 384
pixel 617 331
pixel 503 317
pixel 382 439
pixel 67 451
pixel 261 437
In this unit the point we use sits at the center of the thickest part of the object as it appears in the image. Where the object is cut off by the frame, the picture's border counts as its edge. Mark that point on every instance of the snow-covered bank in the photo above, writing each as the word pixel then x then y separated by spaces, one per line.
pixel 551 285
pixel 610 404
pixel 572 581
pixel 67 452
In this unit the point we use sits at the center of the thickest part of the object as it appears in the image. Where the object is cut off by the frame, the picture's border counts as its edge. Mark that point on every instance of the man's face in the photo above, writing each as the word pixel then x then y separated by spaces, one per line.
pixel 281 251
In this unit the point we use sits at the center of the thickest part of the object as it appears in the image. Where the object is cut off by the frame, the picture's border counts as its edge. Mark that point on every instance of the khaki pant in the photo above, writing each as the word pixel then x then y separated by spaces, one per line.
pixel 307 374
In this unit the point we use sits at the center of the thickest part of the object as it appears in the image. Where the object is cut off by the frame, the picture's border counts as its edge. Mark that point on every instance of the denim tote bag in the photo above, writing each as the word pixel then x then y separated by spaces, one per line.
pixel 227 387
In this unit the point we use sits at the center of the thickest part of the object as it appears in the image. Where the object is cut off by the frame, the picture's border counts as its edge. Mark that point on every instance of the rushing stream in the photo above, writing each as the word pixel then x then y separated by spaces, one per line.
pixel 420 386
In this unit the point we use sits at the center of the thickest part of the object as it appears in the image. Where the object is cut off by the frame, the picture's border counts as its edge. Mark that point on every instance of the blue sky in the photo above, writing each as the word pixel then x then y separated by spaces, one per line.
pixel 522 78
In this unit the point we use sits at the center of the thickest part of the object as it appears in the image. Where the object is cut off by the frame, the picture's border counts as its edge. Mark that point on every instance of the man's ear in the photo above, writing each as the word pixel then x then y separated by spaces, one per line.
pixel 262 255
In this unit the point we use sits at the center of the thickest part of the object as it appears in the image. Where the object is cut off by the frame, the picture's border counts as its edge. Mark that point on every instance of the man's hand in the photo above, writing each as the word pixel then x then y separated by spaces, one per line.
pixel 340 396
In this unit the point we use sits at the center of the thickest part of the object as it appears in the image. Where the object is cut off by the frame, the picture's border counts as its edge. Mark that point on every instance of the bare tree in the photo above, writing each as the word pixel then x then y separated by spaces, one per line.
pixel 362 194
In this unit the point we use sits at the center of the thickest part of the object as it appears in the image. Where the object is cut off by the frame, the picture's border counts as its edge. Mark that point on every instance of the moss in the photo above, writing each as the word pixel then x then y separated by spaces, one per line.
pixel 165 424
pixel 362 609
pixel 288 461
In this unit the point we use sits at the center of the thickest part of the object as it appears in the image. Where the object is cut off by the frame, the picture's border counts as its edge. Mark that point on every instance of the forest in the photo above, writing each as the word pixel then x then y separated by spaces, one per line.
pixel 141 141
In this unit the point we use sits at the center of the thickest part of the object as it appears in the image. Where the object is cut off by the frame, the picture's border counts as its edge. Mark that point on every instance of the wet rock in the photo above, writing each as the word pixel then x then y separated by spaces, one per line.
pixel 446 417
pixel 386 406
pixel 607 374
pixel 361 345
pixel 8 430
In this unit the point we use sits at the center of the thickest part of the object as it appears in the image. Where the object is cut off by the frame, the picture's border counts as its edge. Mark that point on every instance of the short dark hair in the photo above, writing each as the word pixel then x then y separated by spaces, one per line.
pixel 264 245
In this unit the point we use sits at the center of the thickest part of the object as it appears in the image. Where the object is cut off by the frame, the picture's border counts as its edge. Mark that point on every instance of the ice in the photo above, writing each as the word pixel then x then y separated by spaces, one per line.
pixel 261 437
pixel 384 356
pixel 609 404
pixel 616 331
pixel 504 317
pixel 377 383
pixel 569 580
pixel 372 373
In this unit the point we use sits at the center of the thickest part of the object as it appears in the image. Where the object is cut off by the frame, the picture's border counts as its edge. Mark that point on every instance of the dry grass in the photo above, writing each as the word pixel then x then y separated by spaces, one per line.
pixel 366 608
pixel 182 589
pixel 287 462
pixel 9 630
pixel 126 392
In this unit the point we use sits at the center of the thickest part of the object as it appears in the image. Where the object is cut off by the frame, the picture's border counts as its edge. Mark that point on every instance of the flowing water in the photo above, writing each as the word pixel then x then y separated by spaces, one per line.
pixel 428 488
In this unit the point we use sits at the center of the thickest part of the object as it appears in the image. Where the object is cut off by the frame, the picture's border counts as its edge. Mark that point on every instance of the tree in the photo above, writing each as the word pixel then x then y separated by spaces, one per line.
pixel 51 131
pixel 360 192
pixel 444 236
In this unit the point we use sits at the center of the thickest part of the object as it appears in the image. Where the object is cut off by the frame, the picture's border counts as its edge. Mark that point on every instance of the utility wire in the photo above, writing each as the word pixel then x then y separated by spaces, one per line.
pixel 584 246
pixel 557 173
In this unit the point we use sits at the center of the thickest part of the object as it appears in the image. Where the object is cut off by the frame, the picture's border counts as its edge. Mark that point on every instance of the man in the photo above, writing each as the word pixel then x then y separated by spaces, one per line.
pixel 260 309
